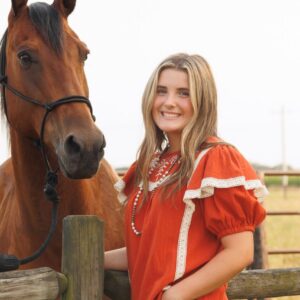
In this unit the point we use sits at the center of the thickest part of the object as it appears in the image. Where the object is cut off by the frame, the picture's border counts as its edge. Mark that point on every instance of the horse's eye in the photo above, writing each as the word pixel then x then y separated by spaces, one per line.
pixel 25 59
pixel 85 57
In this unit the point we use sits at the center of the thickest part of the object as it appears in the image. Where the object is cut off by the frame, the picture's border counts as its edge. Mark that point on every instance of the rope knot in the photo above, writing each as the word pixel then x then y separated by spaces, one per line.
pixel 3 79
pixel 50 187
pixel 48 106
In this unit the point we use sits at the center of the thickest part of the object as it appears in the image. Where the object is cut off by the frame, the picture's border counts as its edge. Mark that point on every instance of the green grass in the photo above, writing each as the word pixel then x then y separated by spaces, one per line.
pixel 282 232
pixel 294 181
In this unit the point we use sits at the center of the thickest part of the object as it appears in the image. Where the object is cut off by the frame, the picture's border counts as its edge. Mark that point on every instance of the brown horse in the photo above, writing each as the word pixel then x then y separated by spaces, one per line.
pixel 44 62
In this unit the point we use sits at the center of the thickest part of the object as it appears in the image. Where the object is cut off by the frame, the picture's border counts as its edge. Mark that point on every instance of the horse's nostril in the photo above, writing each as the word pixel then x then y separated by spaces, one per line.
pixel 72 146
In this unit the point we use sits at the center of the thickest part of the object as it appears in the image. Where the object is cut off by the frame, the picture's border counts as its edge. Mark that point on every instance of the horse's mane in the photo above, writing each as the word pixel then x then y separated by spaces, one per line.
pixel 47 22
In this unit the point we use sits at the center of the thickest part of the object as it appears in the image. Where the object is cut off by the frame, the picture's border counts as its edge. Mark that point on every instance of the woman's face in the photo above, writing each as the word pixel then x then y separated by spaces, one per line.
pixel 172 108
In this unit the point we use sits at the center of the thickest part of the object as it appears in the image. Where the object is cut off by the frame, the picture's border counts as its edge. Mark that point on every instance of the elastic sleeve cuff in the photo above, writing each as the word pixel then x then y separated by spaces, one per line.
pixel 239 229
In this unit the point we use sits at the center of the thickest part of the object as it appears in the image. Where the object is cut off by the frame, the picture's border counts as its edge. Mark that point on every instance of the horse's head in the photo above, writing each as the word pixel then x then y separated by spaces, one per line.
pixel 45 61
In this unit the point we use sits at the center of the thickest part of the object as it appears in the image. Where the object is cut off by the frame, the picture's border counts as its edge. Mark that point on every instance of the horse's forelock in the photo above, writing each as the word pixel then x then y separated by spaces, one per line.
pixel 47 21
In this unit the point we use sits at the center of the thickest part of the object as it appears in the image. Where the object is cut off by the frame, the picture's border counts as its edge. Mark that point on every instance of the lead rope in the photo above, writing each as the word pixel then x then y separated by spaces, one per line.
pixel 11 262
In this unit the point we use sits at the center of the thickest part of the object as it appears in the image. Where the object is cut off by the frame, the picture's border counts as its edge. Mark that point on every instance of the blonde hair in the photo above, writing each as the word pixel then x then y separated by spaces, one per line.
pixel 203 124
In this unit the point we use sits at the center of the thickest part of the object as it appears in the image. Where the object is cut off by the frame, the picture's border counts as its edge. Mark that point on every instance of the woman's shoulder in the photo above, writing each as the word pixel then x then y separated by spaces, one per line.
pixel 221 156
pixel 221 165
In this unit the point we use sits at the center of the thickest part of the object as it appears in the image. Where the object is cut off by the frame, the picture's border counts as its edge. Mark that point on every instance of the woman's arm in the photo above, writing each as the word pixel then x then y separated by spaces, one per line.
pixel 116 259
pixel 236 255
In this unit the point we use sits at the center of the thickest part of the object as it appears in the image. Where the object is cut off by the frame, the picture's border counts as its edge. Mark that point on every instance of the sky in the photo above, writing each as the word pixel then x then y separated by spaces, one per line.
pixel 252 46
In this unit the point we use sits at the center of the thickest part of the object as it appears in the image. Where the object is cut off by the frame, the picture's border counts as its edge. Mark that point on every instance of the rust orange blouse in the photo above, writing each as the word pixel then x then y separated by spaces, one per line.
pixel 182 233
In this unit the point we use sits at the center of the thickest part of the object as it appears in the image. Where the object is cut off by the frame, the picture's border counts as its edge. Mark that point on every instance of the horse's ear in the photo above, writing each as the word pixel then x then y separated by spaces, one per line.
pixel 64 6
pixel 17 5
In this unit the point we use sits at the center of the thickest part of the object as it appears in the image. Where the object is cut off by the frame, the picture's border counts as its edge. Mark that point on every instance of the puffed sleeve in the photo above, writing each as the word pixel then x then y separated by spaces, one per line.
pixel 230 190
pixel 232 210
pixel 126 184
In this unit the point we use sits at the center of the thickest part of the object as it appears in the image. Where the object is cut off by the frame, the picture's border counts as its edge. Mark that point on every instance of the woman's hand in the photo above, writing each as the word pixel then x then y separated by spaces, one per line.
pixel 237 253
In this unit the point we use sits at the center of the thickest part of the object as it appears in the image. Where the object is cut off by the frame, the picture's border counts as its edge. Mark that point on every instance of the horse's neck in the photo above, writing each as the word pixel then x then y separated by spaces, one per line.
pixel 29 172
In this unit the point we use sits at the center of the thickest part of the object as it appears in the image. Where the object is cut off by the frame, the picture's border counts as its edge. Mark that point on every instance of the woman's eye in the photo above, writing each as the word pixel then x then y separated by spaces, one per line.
pixel 161 92
pixel 184 93
pixel 25 59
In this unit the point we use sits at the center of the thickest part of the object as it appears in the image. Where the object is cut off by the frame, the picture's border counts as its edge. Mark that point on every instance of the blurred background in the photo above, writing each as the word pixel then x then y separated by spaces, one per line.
pixel 253 47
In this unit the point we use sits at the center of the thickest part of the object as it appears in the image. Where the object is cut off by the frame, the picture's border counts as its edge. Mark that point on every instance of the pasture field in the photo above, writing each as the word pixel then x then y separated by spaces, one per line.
pixel 293 181
pixel 282 232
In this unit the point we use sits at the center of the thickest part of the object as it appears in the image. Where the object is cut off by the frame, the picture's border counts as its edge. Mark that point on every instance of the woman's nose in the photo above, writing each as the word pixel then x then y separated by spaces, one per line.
pixel 170 100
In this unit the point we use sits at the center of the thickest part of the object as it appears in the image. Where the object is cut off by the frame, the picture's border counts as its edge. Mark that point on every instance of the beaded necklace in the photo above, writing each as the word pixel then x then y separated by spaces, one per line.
pixel 164 169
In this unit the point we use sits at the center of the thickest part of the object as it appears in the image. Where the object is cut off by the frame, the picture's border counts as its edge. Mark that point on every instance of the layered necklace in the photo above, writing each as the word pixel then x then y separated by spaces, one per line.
pixel 163 167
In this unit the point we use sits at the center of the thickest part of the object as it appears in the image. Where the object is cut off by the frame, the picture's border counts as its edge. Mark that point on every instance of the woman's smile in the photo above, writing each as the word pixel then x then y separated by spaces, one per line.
pixel 170 115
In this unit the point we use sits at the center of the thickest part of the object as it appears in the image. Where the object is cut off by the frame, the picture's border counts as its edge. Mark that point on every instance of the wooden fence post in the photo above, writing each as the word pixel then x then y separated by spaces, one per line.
pixel 83 257
pixel 260 251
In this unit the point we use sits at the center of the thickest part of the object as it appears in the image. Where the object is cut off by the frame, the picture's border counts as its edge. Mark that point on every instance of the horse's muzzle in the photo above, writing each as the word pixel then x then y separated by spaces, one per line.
pixel 79 155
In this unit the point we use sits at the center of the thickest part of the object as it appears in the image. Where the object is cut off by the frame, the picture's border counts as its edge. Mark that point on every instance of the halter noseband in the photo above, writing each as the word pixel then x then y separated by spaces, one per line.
pixel 10 262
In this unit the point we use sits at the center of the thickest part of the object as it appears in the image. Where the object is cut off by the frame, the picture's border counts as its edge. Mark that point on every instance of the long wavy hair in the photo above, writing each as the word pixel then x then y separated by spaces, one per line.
pixel 202 125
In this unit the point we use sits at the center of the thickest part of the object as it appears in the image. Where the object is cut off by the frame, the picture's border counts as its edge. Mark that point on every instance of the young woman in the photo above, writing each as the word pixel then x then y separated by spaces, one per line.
pixel 192 200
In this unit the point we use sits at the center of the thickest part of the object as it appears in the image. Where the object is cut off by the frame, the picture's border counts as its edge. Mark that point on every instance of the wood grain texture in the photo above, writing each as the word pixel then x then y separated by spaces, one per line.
pixel 35 284
pixel 265 283
pixel 83 257
pixel 248 284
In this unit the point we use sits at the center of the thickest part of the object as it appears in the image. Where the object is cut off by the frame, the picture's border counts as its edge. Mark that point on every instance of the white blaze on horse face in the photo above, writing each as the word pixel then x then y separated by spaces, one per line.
pixel 172 108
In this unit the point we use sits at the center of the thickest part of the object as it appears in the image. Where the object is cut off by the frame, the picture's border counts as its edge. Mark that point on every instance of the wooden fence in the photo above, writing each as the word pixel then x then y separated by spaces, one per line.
pixel 82 267
pixel 83 277
pixel 261 251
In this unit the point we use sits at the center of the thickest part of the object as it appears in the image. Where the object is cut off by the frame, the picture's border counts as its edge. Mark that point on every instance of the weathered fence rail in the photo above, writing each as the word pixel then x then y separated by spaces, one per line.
pixel 82 267
pixel 83 277
pixel 265 283
pixel 248 284
pixel 35 284
pixel 46 284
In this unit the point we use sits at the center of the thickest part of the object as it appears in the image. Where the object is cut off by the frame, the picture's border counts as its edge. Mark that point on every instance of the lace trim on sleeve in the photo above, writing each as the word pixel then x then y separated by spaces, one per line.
pixel 120 186
pixel 210 183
